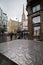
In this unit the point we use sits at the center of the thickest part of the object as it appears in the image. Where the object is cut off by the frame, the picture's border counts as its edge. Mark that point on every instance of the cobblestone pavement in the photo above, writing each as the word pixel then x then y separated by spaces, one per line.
pixel 23 52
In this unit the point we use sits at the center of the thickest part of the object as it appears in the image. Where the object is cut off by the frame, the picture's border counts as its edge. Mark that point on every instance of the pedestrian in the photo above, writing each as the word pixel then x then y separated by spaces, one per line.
pixel 21 35
pixel 11 35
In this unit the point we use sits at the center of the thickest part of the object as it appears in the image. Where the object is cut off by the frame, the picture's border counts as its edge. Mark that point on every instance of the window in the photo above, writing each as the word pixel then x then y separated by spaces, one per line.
pixel 36 28
pixel 36 19
pixel 36 8
pixel 36 31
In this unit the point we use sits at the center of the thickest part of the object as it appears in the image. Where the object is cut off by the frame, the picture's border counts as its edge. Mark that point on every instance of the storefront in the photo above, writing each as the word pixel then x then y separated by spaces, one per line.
pixel 35 17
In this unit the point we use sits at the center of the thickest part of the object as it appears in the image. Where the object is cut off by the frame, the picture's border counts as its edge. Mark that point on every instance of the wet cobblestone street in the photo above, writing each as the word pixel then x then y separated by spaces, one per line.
pixel 23 52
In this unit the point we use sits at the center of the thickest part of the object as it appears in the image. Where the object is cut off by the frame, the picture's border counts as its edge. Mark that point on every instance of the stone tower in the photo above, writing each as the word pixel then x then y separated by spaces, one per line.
pixel 23 15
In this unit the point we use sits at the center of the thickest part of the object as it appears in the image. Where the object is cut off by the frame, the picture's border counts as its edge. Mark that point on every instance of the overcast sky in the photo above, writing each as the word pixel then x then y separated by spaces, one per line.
pixel 13 8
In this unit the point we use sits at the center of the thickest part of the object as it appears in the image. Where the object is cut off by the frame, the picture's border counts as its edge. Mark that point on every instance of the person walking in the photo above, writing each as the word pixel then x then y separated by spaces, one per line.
pixel 11 35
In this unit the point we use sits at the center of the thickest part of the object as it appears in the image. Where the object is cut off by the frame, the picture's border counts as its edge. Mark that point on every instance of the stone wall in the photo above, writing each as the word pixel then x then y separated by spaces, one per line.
pixel 41 15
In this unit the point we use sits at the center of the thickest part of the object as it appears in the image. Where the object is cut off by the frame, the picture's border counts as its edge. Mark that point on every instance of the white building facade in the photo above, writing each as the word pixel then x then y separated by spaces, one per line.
pixel 3 18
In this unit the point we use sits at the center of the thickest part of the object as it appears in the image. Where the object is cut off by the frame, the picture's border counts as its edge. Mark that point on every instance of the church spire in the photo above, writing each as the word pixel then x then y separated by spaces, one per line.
pixel 23 8
pixel 23 14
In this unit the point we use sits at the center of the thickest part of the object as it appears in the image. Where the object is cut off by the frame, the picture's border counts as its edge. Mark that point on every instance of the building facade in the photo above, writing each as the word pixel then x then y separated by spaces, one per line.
pixel 24 21
pixel 3 19
pixel 35 17
pixel 1 13
pixel 12 26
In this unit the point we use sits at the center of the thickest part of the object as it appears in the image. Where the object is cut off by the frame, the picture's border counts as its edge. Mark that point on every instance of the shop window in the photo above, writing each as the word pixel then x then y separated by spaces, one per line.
pixel 37 31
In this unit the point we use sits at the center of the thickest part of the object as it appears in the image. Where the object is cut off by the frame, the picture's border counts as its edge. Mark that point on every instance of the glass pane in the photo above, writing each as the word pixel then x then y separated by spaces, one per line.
pixel 33 9
pixel 38 7
pixel 36 19
pixel 36 31
pixel 37 28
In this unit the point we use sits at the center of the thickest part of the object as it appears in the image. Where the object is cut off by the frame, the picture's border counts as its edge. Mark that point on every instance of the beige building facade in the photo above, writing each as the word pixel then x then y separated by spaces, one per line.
pixel 12 26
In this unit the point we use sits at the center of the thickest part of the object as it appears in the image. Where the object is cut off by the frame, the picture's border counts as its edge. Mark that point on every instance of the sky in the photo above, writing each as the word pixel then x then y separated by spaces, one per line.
pixel 13 8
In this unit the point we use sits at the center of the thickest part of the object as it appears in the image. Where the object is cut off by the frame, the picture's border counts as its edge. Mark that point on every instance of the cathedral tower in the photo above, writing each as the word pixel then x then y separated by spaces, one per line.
pixel 23 15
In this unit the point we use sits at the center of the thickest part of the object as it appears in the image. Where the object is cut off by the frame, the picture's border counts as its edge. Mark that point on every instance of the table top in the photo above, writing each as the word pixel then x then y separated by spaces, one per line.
pixel 23 52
